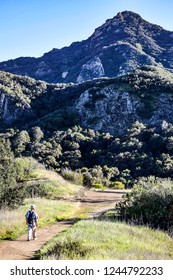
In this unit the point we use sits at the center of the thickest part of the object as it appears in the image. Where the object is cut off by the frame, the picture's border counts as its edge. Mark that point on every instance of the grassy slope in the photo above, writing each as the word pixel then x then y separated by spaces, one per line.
pixel 50 209
pixel 54 186
pixel 101 240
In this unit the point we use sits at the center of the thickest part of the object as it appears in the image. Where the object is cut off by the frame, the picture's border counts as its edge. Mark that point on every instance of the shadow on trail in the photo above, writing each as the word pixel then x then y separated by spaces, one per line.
pixel 89 200
pixel 114 192
pixel 19 241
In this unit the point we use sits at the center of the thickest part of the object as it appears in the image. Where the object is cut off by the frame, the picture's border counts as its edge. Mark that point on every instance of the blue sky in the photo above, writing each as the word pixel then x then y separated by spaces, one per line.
pixel 33 27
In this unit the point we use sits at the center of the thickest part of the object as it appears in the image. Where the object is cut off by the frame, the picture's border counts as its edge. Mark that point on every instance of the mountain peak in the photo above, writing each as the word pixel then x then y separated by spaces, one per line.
pixel 122 22
pixel 122 44
pixel 126 14
pixel 129 13
pixel 127 18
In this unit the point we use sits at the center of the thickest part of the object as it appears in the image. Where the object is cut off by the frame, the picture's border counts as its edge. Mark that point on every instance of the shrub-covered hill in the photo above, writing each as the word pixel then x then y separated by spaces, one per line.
pixel 107 129
pixel 107 104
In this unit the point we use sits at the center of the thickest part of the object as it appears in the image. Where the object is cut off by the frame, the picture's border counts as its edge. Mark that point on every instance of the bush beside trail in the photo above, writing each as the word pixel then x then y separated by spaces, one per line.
pixel 149 203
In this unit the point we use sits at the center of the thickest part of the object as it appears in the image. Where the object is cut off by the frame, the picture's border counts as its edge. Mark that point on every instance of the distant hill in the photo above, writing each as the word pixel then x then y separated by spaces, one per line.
pixel 122 44
pixel 105 104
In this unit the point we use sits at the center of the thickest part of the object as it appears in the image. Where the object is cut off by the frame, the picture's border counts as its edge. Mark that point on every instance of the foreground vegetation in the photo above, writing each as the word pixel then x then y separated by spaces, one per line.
pixel 144 211
pixel 149 203
pixel 104 240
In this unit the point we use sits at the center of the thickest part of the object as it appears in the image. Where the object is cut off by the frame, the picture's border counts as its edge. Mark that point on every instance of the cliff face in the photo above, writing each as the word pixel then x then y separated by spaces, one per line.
pixel 116 111
pixel 122 44
pixel 10 112
pixel 108 110
pixel 106 104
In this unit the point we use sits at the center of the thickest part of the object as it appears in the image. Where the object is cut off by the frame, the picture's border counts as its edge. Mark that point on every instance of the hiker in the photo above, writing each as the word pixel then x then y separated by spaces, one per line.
pixel 31 221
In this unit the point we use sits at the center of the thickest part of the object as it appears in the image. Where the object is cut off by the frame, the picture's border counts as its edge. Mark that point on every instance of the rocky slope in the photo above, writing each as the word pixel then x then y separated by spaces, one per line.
pixel 122 44
pixel 105 104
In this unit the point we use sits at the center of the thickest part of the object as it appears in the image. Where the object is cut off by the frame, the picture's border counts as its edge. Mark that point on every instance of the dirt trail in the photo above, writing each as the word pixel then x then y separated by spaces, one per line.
pixel 93 202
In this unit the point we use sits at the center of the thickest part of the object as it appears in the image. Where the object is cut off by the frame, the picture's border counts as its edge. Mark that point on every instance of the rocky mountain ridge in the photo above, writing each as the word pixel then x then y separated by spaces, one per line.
pixel 122 44
pixel 106 104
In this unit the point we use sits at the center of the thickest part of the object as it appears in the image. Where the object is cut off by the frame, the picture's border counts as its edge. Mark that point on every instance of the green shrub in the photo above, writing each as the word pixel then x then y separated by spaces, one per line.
pixel 71 249
pixel 117 185
pixel 35 190
pixel 151 205
pixel 11 194
pixel 72 176
pixel 99 187
pixel 87 179
pixel 24 167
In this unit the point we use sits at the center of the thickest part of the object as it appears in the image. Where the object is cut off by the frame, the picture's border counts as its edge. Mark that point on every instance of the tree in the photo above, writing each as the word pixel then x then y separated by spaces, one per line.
pixel 37 134
pixel 10 193
pixel 20 141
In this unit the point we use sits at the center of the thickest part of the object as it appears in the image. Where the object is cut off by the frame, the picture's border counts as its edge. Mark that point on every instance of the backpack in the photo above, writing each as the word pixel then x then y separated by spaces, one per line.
pixel 30 217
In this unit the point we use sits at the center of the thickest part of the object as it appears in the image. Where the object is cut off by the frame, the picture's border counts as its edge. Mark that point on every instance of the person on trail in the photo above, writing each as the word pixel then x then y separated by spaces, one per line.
pixel 32 222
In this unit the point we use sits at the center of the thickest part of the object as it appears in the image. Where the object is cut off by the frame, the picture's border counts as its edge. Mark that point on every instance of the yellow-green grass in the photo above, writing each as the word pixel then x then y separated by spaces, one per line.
pixel 54 186
pixel 12 223
pixel 105 240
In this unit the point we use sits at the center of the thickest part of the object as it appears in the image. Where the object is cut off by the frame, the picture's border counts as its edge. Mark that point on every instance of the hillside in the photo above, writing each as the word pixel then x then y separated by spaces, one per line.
pixel 122 44
pixel 107 104
pixel 108 129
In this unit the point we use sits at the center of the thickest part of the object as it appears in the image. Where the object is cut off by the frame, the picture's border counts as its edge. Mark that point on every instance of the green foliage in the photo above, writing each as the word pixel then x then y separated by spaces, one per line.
pixel 87 179
pixel 11 194
pixel 52 189
pixel 24 167
pixel 101 158
pixel 21 140
pixel 72 176
pixel 151 205
pixel 99 187
pixel 49 190
pixel 69 248
pixel 117 185
pixel 36 134
pixel 54 138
